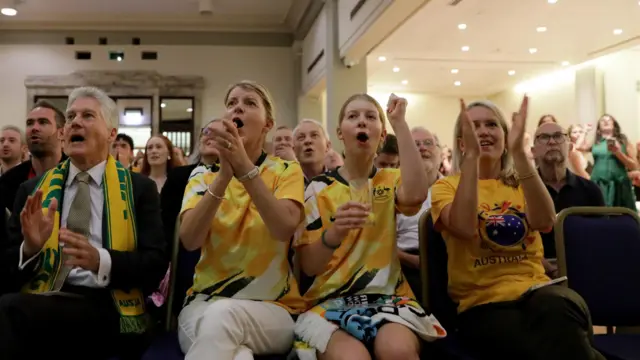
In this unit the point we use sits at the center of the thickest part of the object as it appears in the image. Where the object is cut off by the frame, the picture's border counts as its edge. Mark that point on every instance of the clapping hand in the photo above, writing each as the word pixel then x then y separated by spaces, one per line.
pixel 82 253
pixel 516 137
pixel 231 147
pixel 471 145
pixel 36 226
pixel 396 109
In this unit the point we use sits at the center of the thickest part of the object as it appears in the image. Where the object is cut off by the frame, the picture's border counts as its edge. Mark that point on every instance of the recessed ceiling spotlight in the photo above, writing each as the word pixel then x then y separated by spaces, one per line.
pixel 382 58
pixel 511 72
pixel 163 105
pixel 405 82
pixel 552 1
pixel 541 29
pixel 617 31
pixel 396 69
pixel 465 48
pixel 190 110
pixel 457 83
pixel 462 26
pixel 454 71
pixel 8 11
pixel 533 50
pixel 565 63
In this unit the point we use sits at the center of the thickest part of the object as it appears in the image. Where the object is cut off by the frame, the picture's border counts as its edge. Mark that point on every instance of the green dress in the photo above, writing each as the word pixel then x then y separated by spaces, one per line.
pixel 611 175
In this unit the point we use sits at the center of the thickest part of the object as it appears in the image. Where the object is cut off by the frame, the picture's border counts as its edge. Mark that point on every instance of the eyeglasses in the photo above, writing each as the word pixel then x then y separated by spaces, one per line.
pixel 558 138
pixel 425 142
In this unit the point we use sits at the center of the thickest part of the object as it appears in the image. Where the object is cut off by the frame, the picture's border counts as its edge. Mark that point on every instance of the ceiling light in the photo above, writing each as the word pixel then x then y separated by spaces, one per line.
pixel 565 63
pixel 457 83
pixel 541 29
pixel 405 82
pixel 511 72
pixel 8 11
pixel 552 1
pixel 465 48
pixel 617 31
pixel 396 69
pixel 462 26
pixel 533 50
pixel 454 71
pixel 190 110
pixel 382 58
pixel 163 105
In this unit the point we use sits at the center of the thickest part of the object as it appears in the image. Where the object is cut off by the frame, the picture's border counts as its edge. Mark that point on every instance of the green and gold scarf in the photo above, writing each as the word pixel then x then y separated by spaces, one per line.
pixel 120 235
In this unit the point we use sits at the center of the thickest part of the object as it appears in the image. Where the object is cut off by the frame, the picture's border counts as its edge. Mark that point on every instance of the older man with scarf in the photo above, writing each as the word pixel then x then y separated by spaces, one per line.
pixel 87 241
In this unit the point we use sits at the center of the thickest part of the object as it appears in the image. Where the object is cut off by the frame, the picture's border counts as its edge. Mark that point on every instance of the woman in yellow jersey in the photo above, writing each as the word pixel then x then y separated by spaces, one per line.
pixel 243 215
pixel 364 304
pixel 490 213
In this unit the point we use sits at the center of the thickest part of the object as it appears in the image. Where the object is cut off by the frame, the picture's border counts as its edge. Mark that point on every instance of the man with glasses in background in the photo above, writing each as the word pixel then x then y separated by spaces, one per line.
pixel 407 226
pixel 550 150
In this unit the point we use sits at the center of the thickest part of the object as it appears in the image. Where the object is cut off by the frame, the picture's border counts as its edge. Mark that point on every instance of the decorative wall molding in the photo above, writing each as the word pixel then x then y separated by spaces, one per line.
pixel 121 83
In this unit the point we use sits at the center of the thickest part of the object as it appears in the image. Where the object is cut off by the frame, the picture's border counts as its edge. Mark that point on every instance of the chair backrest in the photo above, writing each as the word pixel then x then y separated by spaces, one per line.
pixel 183 265
pixel 434 273
pixel 598 250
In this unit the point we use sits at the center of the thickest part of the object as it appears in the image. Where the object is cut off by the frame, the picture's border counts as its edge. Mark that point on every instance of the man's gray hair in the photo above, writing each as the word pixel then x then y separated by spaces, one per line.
pixel 108 107
pixel 21 136
pixel 311 121
pixel 421 128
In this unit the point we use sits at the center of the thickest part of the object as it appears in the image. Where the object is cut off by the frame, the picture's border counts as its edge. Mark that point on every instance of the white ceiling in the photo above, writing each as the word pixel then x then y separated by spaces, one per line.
pixel 236 15
pixel 499 34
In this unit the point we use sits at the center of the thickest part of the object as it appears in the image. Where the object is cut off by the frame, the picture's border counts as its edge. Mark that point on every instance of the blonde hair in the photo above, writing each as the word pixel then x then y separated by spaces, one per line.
pixel 508 174
pixel 368 98
pixel 262 92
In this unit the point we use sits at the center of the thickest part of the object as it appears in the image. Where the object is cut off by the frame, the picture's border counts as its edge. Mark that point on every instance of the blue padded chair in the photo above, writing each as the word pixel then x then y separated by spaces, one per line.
pixel 435 282
pixel 183 264
pixel 598 251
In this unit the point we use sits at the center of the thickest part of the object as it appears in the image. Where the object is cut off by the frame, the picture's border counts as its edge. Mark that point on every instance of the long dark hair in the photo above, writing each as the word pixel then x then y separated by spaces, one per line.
pixel 617 133
pixel 172 162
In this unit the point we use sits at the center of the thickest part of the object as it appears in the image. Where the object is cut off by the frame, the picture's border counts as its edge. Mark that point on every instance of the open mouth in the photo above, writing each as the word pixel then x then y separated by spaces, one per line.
pixel 362 137
pixel 486 143
pixel 308 151
pixel 239 123
pixel 76 138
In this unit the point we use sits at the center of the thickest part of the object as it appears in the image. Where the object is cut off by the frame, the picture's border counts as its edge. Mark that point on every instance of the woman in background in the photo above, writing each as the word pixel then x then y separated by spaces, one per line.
pixel 613 158
pixel 577 163
pixel 158 160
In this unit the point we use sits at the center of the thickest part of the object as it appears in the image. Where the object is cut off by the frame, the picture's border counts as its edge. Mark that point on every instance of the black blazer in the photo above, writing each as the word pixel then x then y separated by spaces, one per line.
pixel 143 268
pixel 171 197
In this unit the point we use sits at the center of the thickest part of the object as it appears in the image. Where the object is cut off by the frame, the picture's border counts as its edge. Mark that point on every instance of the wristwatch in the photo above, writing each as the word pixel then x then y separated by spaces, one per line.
pixel 250 175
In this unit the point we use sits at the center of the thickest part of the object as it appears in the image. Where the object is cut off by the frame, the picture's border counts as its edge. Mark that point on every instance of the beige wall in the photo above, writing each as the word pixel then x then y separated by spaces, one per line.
pixel 219 65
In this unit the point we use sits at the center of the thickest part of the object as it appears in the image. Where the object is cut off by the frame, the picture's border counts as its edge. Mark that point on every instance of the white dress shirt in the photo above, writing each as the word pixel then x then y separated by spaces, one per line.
pixel 79 276
pixel 407 227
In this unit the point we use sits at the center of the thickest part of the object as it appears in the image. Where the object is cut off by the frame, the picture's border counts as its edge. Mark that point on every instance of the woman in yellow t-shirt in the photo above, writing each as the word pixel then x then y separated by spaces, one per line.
pixel 349 245
pixel 490 214
pixel 242 214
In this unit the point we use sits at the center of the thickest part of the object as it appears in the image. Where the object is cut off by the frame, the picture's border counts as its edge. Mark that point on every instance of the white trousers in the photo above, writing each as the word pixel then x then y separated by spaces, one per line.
pixel 230 329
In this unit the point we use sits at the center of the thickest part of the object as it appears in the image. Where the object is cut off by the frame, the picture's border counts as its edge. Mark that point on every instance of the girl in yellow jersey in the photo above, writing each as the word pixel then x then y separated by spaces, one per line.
pixel 243 215
pixel 490 213
pixel 364 304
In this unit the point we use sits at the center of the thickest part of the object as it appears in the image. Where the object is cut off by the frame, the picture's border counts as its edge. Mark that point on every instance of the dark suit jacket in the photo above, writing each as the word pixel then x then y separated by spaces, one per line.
pixel 143 268
pixel 171 197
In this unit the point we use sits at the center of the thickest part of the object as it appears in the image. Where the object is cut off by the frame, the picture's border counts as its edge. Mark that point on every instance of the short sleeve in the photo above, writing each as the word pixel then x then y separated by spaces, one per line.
pixel 290 183
pixel 406 210
pixel 196 187
pixel 312 226
pixel 442 194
